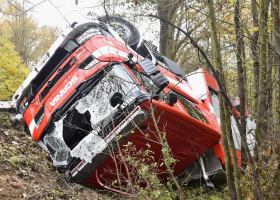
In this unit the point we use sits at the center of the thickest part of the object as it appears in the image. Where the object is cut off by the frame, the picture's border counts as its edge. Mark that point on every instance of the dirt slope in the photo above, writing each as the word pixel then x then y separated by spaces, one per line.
pixel 27 173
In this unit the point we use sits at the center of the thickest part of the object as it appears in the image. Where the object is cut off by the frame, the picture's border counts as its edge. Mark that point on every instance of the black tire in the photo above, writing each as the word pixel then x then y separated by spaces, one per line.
pixel 129 32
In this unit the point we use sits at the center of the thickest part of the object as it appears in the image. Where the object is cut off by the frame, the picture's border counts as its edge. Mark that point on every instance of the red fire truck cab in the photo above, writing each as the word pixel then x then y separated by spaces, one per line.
pixel 93 90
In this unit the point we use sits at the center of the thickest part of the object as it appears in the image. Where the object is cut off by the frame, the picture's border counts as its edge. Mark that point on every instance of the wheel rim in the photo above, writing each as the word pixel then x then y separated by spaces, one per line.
pixel 121 29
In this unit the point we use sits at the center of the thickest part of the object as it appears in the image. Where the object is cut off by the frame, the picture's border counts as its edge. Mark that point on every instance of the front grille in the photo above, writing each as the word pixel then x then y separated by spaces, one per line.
pixel 86 62
pixel 60 73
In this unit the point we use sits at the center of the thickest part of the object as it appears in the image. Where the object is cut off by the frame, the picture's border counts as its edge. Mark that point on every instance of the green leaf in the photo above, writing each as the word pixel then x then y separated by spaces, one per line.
pixel 255 28
pixel 231 2
pixel 12 71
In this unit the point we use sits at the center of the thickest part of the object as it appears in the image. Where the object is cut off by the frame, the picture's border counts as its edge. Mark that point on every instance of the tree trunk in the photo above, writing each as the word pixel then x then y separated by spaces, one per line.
pixel 254 49
pixel 260 129
pixel 233 154
pixel 166 10
pixel 245 85
pixel 219 69
pixel 239 42
pixel 225 144
pixel 276 28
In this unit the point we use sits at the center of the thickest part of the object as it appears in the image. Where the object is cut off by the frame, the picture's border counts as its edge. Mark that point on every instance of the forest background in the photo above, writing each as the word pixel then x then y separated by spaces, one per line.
pixel 241 38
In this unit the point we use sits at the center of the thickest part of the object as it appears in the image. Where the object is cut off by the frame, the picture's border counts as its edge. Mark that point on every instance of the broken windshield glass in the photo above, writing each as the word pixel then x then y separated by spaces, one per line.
pixel 79 132
pixel 55 143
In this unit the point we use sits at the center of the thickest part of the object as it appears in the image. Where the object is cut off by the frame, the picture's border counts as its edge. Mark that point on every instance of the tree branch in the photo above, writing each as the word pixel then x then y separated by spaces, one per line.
pixel 205 57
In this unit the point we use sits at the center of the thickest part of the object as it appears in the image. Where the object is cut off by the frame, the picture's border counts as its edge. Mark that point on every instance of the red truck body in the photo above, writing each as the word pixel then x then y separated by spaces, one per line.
pixel 67 105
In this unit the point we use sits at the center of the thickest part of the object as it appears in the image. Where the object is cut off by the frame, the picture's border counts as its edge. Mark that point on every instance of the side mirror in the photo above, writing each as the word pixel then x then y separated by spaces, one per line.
pixel 160 80
pixel 115 98
pixel 154 74
pixel 172 98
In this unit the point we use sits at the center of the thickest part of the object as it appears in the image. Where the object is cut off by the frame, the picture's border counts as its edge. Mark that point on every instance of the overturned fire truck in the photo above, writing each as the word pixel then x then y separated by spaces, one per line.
pixel 96 83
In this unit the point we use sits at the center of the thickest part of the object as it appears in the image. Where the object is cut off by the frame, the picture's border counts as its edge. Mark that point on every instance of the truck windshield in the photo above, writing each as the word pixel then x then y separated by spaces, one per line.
pixel 81 130
pixel 191 109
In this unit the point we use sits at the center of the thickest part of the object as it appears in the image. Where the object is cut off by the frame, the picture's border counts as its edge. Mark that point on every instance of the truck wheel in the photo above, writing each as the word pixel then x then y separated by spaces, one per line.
pixel 127 30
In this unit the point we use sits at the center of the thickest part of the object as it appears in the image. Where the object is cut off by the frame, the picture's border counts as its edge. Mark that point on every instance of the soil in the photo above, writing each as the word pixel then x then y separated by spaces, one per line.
pixel 26 171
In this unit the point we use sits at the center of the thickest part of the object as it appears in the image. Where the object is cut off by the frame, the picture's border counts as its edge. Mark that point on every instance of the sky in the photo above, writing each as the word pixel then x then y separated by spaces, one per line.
pixel 64 11
pixel 61 13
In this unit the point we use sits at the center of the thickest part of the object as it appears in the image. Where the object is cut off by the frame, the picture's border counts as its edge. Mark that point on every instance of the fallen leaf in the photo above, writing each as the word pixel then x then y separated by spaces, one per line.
pixel 15 143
